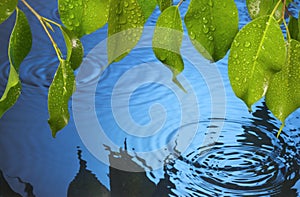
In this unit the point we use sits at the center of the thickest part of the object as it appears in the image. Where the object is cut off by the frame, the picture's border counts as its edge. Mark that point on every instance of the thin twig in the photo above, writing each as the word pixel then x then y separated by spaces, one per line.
pixel 180 2
pixel 41 19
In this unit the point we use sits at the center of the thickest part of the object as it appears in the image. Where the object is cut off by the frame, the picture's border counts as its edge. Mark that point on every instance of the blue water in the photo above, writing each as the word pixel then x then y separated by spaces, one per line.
pixel 166 143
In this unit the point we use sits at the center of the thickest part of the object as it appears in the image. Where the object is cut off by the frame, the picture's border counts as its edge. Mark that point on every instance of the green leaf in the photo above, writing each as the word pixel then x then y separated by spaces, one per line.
pixel 257 8
pixel 167 40
pixel 125 26
pixel 59 94
pixel 7 7
pixel 164 4
pixel 283 95
pixel 293 28
pixel 19 46
pixel 147 7
pixel 74 48
pixel 83 16
pixel 212 26
pixel 257 53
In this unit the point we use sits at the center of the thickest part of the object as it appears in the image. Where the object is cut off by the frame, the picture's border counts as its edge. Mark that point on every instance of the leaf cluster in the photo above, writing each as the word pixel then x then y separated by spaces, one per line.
pixel 262 62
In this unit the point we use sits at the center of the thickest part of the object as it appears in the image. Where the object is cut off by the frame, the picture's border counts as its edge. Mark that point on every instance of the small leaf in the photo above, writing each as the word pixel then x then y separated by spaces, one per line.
pixel 7 7
pixel 167 40
pixel 212 26
pixel 283 95
pixel 83 16
pixel 19 46
pixel 257 8
pixel 74 48
pixel 294 28
pixel 125 25
pixel 257 53
pixel 147 7
pixel 59 94
pixel 164 4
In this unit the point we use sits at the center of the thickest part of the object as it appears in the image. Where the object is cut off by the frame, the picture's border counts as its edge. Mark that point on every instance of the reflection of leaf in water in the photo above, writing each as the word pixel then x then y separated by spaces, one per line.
pixel 5 189
pixel 86 183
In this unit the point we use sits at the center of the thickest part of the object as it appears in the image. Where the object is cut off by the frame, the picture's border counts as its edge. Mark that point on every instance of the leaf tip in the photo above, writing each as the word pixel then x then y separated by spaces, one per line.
pixel 179 84
pixel 280 129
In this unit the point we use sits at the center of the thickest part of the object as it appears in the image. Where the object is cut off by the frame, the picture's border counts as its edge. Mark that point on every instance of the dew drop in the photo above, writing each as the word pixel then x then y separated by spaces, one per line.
pixel 247 44
pixel 205 29
pixel 235 55
pixel 237 78
pixel 236 44
pixel 126 4
pixel 192 35
pixel 212 28
pixel 210 38
pixel 205 21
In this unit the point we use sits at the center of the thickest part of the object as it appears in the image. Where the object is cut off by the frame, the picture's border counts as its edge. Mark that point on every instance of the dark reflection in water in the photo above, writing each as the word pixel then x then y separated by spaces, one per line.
pixel 7 191
pixel 86 183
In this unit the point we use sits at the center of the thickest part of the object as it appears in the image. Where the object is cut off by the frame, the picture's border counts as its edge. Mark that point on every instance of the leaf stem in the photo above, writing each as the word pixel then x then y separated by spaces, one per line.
pixel 42 21
pixel 180 2
pixel 53 22
pixel 283 9
pixel 280 129
pixel 287 30
pixel 275 8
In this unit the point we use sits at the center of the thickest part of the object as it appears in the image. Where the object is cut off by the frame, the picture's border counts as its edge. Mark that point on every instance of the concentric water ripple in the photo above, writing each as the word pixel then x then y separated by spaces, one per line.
pixel 253 163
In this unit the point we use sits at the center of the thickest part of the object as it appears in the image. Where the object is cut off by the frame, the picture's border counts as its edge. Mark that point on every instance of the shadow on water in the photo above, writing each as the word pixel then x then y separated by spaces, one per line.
pixel 7 191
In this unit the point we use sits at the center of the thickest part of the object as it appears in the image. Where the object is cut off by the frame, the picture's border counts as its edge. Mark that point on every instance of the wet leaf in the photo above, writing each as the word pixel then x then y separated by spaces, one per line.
pixel 293 28
pixel 59 94
pixel 74 48
pixel 283 95
pixel 212 25
pixel 125 25
pixel 83 16
pixel 164 4
pixel 147 7
pixel 19 46
pixel 257 8
pixel 7 7
pixel 257 53
pixel 167 40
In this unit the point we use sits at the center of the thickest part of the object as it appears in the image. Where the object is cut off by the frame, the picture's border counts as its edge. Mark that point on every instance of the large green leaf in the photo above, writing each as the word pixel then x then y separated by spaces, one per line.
pixel 74 48
pixel 63 84
pixel 125 26
pixel 83 16
pixel 257 8
pixel 147 7
pixel 212 26
pixel 19 46
pixel 164 4
pixel 7 7
pixel 283 95
pixel 59 94
pixel 257 53
pixel 167 40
